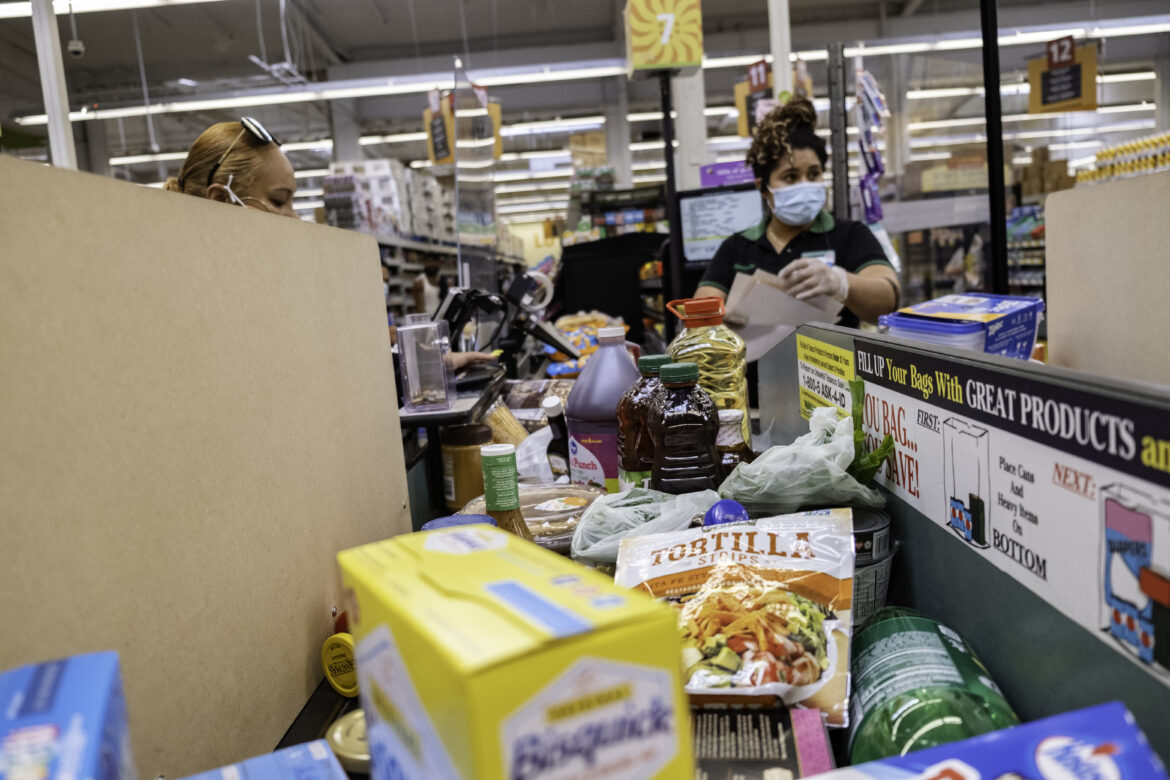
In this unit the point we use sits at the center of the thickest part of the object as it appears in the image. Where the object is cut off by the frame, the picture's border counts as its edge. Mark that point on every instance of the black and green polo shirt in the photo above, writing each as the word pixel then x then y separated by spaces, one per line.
pixel 853 246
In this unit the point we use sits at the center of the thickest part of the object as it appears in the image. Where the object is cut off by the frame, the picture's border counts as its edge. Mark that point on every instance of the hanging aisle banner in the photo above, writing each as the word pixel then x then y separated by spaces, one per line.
pixel 1065 490
pixel 663 34
pixel 439 120
pixel 1065 80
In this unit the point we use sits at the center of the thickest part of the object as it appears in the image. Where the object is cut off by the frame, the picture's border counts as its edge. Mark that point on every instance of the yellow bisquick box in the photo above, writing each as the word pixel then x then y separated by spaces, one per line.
pixel 481 655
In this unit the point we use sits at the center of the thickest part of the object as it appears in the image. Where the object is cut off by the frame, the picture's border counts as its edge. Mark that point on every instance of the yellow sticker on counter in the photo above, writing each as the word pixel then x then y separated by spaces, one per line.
pixel 824 372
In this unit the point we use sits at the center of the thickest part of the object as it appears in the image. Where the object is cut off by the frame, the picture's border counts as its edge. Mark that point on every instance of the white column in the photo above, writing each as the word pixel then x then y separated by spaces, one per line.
pixel 48 40
pixel 346 132
pixel 898 125
pixel 780 37
pixel 690 129
pixel 617 130
pixel 1162 91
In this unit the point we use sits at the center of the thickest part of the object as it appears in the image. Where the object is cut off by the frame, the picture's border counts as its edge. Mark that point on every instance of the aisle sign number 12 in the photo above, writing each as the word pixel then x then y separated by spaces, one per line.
pixel 663 34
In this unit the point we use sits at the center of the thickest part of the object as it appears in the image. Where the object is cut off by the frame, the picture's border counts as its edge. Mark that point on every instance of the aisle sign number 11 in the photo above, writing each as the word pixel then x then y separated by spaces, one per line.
pixel 663 34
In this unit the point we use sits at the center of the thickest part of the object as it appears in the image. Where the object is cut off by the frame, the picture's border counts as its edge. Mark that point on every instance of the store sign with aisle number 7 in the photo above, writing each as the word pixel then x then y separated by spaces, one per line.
pixel 663 34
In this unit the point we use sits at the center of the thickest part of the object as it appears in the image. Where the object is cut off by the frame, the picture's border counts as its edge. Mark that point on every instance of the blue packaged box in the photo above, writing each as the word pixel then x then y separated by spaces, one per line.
pixel 309 761
pixel 996 324
pixel 1096 742
pixel 65 719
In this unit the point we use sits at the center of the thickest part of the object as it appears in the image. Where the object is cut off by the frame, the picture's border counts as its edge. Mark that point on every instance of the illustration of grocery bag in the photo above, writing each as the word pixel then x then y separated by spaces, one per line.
pixel 1135 572
pixel 967 470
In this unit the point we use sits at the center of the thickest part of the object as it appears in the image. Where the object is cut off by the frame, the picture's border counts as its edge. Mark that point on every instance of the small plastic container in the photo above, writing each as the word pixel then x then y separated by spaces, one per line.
pixel 1005 325
pixel 550 511
pixel 428 383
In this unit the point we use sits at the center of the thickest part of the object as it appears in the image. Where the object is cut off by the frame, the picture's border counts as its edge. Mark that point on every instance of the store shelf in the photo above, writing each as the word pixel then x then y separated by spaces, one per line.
pixel 653 314
pixel 651 284
pixel 1035 243
pixel 412 268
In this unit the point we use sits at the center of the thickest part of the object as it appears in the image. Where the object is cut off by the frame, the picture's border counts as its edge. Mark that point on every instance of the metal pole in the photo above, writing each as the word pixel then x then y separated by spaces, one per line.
pixel 48 41
pixel 780 37
pixel 673 215
pixel 988 17
pixel 839 140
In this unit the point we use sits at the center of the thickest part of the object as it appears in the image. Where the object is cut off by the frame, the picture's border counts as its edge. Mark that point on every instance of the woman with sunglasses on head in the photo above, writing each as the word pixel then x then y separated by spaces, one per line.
pixel 241 163
pixel 813 253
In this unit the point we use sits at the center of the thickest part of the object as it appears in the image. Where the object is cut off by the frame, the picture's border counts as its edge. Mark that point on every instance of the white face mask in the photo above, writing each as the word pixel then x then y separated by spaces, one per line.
pixel 798 204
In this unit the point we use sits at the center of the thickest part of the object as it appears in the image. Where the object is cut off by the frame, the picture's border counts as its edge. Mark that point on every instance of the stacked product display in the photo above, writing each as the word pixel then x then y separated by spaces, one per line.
pixel 389 199
pixel 1124 161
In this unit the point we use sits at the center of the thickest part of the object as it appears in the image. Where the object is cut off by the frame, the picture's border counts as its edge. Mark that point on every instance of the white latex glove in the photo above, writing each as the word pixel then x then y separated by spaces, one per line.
pixel 809 277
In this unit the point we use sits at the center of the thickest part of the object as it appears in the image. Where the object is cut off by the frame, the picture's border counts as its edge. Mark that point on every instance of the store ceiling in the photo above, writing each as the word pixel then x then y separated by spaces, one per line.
pixel 200 48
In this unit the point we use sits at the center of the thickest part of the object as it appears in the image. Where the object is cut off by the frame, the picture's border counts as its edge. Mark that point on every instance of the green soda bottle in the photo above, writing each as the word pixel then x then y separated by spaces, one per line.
pixel 916 684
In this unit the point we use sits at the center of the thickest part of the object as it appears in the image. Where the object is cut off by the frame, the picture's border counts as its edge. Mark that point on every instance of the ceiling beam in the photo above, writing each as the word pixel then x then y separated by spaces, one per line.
pixel 333 54
pixel 911 7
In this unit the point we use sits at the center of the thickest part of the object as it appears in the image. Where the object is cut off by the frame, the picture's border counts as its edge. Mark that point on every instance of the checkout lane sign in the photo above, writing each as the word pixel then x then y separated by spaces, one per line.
pixel 1065 79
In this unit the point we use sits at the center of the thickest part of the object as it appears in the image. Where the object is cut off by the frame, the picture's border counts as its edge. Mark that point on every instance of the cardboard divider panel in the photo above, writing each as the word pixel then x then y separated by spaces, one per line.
pixel 1106 249
pixel 197 411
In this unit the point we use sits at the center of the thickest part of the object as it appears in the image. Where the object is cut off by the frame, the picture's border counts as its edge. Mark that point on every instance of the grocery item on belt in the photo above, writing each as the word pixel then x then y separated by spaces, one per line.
pixel 635 444
pixel 1097 742
pixel 592 412
pixel 717 350
pixel 635 512
pixel 506 429
pixel 917 684
pixel 551 512
pixel 462 470
pixel 524 397
pixel 812 471
pixel 308 761
pixel 684 426
pixel 770 744
pixel 996 324
pixel 64 718
pixel 502 489
pixel 483 656
pixel 763 609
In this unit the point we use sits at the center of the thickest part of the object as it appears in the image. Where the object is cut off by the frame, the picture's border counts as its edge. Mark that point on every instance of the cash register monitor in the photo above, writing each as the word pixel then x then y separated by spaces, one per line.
pixel 711 215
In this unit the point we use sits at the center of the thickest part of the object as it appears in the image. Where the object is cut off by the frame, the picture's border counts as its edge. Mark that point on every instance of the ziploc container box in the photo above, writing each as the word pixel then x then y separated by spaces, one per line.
pixel 481 655
pixel 1096 742
pixel 65 719
pixel 996 324
pixel 309 761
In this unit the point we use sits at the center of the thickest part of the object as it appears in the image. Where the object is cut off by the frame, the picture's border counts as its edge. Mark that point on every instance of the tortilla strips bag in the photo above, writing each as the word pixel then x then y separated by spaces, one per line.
pixel 763 608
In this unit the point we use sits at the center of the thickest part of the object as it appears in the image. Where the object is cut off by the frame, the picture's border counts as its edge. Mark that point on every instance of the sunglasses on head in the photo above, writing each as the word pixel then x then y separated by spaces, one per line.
pixel 258 132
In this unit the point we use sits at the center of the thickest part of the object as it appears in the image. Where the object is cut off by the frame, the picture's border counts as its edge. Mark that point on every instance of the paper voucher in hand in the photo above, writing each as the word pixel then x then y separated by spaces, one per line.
pixel 763 314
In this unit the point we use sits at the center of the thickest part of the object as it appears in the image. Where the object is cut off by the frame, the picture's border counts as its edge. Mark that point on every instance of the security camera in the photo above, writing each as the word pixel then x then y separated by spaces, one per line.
pixel 76 48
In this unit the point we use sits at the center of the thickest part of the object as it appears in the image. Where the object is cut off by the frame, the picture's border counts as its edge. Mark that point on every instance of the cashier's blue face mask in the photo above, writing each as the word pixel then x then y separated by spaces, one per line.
pixel 798 204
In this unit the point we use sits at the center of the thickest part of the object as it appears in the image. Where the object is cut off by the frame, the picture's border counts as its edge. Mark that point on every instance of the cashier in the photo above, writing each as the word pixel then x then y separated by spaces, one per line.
pixel 238 163
pixel 813 253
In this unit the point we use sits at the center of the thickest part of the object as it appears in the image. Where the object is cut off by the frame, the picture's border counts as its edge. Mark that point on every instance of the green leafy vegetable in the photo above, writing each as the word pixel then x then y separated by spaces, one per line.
pixel 865 465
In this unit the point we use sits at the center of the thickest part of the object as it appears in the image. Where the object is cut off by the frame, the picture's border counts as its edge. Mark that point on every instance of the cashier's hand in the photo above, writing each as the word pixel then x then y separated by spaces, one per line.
pixel 808 277
pixel 460 360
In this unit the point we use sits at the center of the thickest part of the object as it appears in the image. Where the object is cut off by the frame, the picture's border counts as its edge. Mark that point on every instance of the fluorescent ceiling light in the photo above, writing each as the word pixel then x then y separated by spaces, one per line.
pixel 1120 78
pixel 649 116
pixel 556 205
pixel 536 217
pixel 979 138
pixel 135 159
pixel 928 156
pixel 531 187
pixel 529 199
pixel 307 205
pixel 1123 30
pixel 312 173
pixel 648 179
pixel 396 138
pixel 1027 160
pixel 549 154
pixel 553 125
pixel 313 193
pixel 475 143
pixel 60 7
pixel 548 74
pixel 523 175
pixel 1074 145
pixel 471 112
pixel 1082 162
pixel 649 166
pixel 976 121
pixel 305 146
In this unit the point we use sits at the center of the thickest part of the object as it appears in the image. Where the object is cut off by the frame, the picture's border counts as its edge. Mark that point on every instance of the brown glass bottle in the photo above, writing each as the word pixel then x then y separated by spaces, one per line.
pixel 635 445
pixel 733 450
pixel 684 426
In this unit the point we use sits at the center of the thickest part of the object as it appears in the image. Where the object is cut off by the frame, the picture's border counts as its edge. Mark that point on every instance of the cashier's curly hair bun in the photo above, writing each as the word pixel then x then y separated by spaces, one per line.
pixel 790 127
